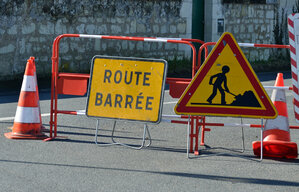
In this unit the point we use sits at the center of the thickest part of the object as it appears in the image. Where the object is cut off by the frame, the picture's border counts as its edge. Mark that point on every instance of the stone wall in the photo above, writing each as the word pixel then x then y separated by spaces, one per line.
pixel 28 28
pixel 251 24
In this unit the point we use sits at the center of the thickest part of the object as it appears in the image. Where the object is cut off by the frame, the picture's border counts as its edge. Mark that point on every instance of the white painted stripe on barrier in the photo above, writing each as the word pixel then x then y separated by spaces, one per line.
pixel 81 112
pixel 45 114
pixel 292 43
pixel 296 109
pixel 28 83
pixel 27 115
pixel 296 96
pixel 170 102
pixel 171 116
pixel 166 120
pixel 293 68
pixel 235 125
pixel 178 39
pixel 246 44
pixel 292 55
pixel 295 83
pixel 91 36
pixel 155 40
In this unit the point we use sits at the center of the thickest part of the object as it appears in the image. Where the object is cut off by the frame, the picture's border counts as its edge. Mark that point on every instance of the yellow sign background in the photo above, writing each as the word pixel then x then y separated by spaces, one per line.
pixel 237 82
pixel 141 98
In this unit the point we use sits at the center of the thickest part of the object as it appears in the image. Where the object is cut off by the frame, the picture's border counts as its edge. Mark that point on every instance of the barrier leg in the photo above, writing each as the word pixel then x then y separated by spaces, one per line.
pixel 191 135
pixel 145 132
pixel 196 135
pixel 96 136
pixel 262 131
pixel 188 136
pixel 203 127
pixel 243 139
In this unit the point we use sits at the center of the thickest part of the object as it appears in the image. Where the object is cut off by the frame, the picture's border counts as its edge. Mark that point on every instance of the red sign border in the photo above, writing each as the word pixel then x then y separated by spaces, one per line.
pixel 268 112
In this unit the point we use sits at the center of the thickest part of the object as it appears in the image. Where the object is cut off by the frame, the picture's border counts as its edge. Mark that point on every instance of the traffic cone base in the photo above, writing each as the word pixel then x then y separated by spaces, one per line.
pixel 12 135
pixel 277 149
pixel 276 134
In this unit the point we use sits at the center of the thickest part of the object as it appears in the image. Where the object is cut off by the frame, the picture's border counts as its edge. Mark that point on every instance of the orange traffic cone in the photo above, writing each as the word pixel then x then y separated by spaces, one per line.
pixel 27 123
pixel 276 135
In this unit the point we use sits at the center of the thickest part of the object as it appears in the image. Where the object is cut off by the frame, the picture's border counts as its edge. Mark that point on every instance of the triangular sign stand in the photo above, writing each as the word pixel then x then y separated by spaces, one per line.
pixel 226 85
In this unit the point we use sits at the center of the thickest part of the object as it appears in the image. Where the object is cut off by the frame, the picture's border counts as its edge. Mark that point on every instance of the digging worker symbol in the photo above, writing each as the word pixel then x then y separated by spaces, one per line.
pixel 217 85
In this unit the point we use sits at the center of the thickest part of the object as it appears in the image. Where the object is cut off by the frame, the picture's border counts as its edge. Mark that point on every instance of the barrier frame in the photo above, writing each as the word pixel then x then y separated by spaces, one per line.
pixel 205 47
pixel 80 76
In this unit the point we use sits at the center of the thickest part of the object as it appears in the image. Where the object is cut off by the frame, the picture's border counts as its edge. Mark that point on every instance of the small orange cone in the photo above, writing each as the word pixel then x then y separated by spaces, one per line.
pixel 27 123
pixel 276 135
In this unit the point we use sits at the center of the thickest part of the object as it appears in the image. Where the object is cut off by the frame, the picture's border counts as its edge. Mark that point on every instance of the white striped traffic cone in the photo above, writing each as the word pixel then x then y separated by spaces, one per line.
pixel 27 123
pixel 276 135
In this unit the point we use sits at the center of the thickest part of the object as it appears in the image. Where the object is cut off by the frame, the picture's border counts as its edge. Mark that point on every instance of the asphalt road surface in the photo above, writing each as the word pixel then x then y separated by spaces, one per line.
pixel 76 163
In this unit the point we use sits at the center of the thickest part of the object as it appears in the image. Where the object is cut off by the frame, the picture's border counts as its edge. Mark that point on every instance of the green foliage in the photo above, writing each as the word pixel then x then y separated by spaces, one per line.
pixel 179 67
pixel 274 63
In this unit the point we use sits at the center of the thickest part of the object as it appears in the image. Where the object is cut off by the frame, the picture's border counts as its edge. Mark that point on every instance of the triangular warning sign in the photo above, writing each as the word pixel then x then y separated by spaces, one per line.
pixel 226 85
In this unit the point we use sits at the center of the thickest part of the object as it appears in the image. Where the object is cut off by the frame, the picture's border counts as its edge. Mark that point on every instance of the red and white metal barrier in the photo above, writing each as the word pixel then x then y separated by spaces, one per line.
pixel 294 65
pixel 76 83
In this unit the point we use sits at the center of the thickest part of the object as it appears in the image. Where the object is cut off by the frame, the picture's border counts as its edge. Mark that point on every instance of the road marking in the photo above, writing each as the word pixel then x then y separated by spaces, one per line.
pixel 12 118
pixel 48 114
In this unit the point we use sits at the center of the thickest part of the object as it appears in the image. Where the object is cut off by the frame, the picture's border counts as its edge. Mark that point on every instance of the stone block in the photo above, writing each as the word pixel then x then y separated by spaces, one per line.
pixel 2 31
pixel 133 26
pixel 156 29
pixel 60 27
pixel 116 29
pixel 90 29
pixel 82 19
pixel 140 28
pixel 172 29
pixel 164 29
pixel 139 45
pixel 12 30
pixel 97 45
pixel 270 14
pixel 28 28
pixel 132 45
pixel 63 47
pixel 102 29
pixel 80 28
pixel 46 29
pixel 260 14
pixel 250 28
pixel 181 27
pixel 7 49
pixel 124 45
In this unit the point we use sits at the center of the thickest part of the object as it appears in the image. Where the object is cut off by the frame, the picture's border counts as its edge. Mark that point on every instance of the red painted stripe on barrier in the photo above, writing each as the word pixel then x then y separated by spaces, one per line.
pixel 295 89
pixel 296 102
pixel 293 62
pixel 291 23
pixel 179 122
pixel 295 77
pixel 293 50
pixel 292 36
